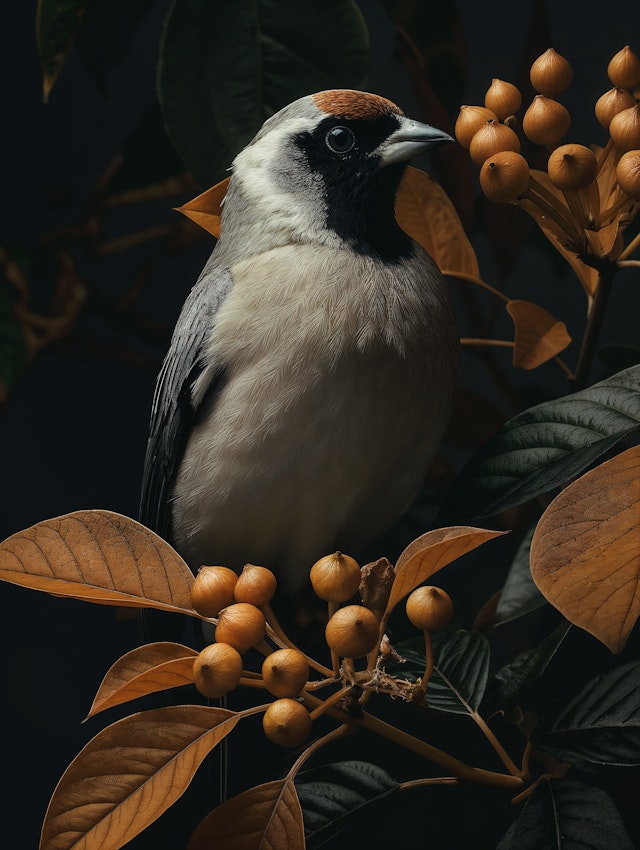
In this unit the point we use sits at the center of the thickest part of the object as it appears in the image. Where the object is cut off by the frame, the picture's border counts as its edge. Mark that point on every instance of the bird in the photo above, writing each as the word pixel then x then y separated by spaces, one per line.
pixel 312 370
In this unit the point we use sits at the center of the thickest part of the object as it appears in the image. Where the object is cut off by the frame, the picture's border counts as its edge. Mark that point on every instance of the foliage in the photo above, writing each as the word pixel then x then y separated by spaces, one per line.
pixel 568 464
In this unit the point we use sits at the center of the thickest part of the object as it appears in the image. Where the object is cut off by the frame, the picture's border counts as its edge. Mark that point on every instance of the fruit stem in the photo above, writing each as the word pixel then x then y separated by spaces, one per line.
pixel 345 729
pixel 631 247
pixel 551 206
pixel 628 264
pixel 332 607
pixel 277 634
pixel 326 704
pixel 428 652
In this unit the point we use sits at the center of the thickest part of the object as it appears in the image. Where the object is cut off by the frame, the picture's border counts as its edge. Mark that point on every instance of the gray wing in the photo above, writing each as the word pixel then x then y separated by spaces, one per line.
pixel 173 413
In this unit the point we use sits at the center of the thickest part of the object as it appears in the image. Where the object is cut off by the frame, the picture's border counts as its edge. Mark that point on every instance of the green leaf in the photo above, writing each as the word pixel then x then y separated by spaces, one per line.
pixel 545 446
pixel 107 33
pixel 567 815
pixel 520 675
pixel 600 727
pixel 57 24
pixel 519 595
pixel 461 670
pixel 331 794
pixel 226 67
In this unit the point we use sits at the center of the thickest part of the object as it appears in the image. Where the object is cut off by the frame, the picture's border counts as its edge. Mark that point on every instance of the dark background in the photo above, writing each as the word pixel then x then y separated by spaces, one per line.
pixel 73 432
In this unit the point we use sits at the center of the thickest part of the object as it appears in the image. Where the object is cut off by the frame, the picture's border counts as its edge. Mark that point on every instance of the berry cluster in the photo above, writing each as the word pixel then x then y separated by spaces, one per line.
pixel 583 187
pixel 240 607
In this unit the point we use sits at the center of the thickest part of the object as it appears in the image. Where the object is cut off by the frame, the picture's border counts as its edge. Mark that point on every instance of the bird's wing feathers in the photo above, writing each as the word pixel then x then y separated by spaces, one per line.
pixel 173 413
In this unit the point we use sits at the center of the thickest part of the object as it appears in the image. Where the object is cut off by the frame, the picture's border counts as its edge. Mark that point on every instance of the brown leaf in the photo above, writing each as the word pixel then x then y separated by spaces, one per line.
pixel 585 553
pixel 129 774
pixel 267 817
pixel 431 552
pixel 206 208
pixel 539 335
pixel 424 211
pixel 144 670
pixel 98 556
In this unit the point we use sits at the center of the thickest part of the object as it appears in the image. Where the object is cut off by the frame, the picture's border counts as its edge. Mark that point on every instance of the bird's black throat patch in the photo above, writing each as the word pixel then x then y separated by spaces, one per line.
pixel 360 195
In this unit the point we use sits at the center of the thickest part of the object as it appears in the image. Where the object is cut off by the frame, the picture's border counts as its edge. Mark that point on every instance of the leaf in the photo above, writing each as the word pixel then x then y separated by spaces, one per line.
pixel 424 211
pixel 519 595
pixel 144 670
pixel 109 28
pixel 431 552
pixel 585 553
pixel 545 446
pixel 57 24
pixel 129 774
pixel 460 675
pixel 216 91
pixel 331 794
pixel 461 669
pixel 206 208
pixel 519 676
pixel 264 817
pixel 599 727
pixel 98 556
pixel 539 335
pixel 567 815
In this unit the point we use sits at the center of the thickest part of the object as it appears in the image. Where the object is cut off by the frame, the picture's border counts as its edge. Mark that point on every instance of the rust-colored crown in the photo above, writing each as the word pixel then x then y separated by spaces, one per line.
pixel 352 104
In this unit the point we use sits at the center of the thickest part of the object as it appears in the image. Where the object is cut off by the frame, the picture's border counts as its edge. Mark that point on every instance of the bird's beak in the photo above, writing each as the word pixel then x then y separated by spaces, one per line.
pixel 409 140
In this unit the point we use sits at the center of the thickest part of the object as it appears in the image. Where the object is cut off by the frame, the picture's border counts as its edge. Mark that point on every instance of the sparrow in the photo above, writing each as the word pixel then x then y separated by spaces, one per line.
pixel 312 370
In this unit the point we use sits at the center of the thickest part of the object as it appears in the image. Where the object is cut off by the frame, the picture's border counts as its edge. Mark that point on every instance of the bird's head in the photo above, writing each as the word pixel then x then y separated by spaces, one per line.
pixel 326 169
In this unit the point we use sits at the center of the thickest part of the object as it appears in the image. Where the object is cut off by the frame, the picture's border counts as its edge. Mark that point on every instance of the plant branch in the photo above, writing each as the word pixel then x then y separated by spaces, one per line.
pixel 513 769
pixel 594 323
pixel 628 264
pixel 435 780
pixel 497 343
pixel 630 248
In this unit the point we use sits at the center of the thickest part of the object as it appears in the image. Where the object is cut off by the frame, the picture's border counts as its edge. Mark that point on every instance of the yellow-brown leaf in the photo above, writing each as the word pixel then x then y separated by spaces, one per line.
pixel 144 670
pixel 424 211
pixel 539 335
pixel 431 552
pixel 206 208
pixel 585 553
pixel 129 774
pixel 267 817
pixel 98 556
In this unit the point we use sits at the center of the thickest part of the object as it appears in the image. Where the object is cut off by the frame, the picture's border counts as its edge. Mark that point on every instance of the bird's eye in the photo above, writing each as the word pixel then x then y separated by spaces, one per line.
pixel 340 139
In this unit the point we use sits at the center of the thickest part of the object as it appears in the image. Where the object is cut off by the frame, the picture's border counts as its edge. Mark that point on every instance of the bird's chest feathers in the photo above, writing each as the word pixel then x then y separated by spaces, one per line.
pixel 304 308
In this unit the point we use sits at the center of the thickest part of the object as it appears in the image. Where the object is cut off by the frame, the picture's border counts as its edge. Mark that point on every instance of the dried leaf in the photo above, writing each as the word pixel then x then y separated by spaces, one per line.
pixel 206 208
pixel 129 774
pixel 431 552
pixel 539 335
pixel 144 670
pixel 424 211
pixel 585 556
pixel 98 556
pixel 264 817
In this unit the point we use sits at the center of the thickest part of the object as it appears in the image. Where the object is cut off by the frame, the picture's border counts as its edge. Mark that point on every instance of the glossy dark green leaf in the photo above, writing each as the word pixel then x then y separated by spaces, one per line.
pixel 518 677
pixel 57 23
pixel 459 679
pixel 226 67
pixel 331 794
pixel 519 595
pixel 545 446
pixel 567 815
pixel 600 727
pixel 107 33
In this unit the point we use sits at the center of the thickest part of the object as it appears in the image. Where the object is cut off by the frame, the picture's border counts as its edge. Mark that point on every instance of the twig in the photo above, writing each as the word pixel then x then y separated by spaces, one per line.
pixel 513 769
pixel 435 780
pixel 497 343
pixel 630 248
pixel 594 323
